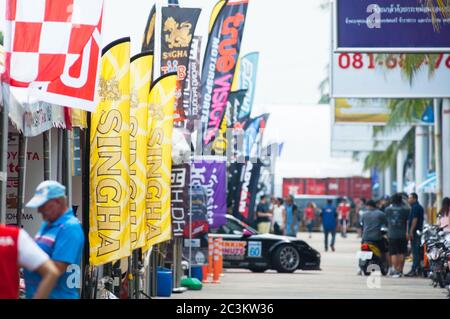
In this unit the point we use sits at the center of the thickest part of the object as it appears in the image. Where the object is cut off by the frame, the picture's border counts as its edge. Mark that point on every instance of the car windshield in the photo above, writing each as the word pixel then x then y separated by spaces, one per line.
pixel 233 227
pixel 254 231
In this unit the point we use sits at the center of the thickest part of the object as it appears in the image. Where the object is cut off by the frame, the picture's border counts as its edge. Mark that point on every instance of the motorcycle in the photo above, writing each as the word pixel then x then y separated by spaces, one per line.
pixel 437 245
pixel 447 260
pixel 371 258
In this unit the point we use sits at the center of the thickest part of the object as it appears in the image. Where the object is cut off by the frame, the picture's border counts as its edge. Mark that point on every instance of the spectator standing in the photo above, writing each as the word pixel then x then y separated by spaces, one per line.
pixel 279 217
pixel 329 223
pixel 444 215
pixel 343 211
pixel 61 237
pixel 263 216
pixel 415 223
pixel 292 218
pixel 397 216
pixel 310 216
pixel 17 249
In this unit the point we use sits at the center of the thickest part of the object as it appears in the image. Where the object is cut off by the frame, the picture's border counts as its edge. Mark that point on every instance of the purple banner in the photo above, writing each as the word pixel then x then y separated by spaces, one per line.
pixel 211 174
pixel 390 25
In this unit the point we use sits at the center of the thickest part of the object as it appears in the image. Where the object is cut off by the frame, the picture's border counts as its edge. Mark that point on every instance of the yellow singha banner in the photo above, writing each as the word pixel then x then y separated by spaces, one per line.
pixel 109 234
pixel 140 80
pixel 159 160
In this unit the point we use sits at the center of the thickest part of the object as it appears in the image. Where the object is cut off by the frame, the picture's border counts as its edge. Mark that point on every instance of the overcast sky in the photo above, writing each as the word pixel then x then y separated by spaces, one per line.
pixel 293 38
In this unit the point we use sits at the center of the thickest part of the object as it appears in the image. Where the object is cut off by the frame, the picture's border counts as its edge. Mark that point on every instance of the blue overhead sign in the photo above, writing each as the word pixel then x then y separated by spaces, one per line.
pixel 390 26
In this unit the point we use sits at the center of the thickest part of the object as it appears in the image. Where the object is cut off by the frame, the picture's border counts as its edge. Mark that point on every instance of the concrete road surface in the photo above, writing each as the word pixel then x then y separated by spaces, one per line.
pixel 338 279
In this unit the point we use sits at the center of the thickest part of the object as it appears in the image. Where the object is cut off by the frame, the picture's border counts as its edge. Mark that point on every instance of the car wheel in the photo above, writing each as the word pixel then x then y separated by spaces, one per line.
pixel 258 269
pixel 286 259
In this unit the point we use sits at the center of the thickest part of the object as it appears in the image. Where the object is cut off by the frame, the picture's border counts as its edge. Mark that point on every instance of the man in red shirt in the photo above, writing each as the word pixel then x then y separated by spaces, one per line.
pixel 18 249
pixel 343 211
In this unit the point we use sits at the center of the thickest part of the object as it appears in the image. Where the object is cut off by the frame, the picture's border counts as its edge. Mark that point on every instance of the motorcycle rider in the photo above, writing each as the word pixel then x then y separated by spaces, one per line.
pixel 372 222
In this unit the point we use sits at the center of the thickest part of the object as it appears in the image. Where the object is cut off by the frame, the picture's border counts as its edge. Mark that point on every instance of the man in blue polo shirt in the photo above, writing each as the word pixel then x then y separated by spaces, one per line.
pixel 415 223
pixel 61 237
pixel 329 222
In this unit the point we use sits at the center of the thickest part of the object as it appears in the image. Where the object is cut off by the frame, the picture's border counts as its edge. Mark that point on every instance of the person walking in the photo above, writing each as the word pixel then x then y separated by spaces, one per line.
pixel 415 223
pixel 292 220
pixel 444 215
pixel 263 216
pixel 397 216
pixel 310 216
pixel 17 249
pixel 279 217
pixel 343 211
pixel 61 237
pixel 329 223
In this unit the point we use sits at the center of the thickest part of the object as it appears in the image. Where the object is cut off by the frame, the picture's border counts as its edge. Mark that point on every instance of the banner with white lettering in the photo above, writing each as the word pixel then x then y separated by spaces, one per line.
pixel 191 91
pixel 178 27
pixel 219 66
pixel 210 173
pixel 180 198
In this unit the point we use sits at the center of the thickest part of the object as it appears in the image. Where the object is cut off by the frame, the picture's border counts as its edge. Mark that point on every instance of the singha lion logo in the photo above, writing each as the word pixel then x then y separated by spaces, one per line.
pixel 179 33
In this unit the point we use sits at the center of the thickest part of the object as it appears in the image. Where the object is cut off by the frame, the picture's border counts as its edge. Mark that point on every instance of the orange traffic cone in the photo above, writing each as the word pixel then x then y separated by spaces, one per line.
pixel 216 266
pixel 205 274
pixel 221 257
pixel 210 256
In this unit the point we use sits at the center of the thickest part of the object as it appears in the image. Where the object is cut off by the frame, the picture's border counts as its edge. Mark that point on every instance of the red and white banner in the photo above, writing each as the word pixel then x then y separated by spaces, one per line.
pixel 53 47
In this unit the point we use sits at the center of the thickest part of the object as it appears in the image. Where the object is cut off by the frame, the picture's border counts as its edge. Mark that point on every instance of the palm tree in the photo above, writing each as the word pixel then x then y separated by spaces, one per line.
pixel 402 111
pixel 444 10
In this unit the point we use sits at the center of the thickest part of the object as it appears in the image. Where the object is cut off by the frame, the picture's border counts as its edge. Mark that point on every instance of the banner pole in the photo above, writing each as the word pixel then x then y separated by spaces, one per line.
pixel 438 152
pixel 68 166
pixel 190 215
pixel 85 206
pixel 46 141
pixel 3 158
pixel 135 272
pixel 23 143
pixel 154 271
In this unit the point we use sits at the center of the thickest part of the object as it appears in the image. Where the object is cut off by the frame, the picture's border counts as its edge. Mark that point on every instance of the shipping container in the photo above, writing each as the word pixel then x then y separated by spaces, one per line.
pixel 350 187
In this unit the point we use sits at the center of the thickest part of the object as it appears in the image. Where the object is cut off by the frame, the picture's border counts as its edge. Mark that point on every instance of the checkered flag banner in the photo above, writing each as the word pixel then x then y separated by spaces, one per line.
pixel 53 47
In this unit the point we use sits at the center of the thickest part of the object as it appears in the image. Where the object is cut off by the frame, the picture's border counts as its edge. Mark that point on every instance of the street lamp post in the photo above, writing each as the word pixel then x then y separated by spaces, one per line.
pixel 438 151
pixel 421 160
pixel 446 148
pixel 401 159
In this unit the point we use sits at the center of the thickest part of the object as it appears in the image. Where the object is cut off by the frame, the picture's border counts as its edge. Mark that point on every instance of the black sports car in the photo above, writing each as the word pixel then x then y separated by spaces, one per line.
pixel 244 247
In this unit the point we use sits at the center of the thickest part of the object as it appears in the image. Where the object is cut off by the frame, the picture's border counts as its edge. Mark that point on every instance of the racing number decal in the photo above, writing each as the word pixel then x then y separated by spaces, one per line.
pixel 254 249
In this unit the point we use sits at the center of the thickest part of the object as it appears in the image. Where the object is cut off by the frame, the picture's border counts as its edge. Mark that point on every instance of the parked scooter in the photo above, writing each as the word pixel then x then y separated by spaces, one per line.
pixel 371 258
pixel 437 245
